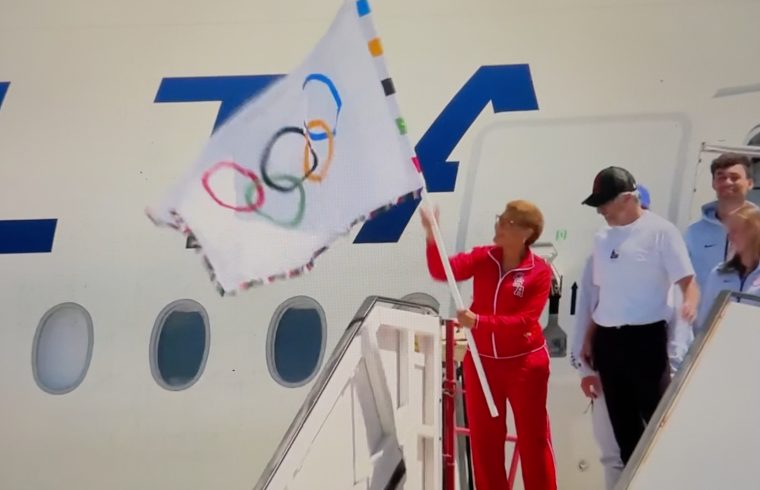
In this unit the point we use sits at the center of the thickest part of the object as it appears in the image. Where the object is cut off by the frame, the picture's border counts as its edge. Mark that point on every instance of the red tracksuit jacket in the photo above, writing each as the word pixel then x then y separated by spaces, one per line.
pixel 508 304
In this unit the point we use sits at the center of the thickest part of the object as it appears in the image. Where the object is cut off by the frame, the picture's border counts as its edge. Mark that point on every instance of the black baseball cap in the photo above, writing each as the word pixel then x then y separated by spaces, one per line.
pixel 609 184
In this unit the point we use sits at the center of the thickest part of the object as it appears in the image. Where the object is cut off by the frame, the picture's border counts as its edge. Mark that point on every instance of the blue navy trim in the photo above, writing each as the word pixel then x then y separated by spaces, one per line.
pixel 27 236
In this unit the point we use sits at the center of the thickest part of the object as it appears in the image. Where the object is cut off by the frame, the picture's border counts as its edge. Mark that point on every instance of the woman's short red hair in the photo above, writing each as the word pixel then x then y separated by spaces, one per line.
pixel 526 214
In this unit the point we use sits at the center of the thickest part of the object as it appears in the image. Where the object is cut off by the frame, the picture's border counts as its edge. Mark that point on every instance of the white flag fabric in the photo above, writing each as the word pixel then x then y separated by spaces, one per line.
pixel 298 166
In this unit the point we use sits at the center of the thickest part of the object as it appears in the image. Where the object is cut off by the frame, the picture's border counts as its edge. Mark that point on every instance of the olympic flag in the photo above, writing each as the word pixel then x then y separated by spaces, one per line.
pixel 298 166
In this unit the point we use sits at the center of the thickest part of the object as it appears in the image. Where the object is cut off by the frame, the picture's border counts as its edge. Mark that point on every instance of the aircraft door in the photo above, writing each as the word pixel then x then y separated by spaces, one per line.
pixel 753 139
pixel 553 163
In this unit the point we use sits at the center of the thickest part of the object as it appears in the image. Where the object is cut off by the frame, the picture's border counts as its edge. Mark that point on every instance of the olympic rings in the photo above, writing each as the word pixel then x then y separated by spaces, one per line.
pixel 318 77
pixel 268 150
pixel 252 206
pixel 281 182
pixel 298 183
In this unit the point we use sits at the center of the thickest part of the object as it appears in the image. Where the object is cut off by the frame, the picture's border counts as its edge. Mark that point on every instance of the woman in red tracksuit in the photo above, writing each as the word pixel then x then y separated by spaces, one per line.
pixel 510 290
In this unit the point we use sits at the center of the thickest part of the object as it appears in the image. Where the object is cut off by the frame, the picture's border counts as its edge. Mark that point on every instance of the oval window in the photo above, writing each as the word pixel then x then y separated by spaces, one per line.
pixel 179 345
pixel 62 348
pixel 423 299
pixel 296 341
pixel 753 139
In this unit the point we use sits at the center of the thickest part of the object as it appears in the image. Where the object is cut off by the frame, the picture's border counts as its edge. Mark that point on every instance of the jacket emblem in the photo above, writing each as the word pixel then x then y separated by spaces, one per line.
pixel 518 285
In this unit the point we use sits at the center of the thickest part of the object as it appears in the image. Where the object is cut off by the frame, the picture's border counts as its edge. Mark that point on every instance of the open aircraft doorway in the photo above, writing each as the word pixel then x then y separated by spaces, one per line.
pixel 753 139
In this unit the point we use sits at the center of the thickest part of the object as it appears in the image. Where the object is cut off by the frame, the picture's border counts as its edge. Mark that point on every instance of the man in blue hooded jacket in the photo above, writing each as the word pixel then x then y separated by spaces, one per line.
pixel 706 239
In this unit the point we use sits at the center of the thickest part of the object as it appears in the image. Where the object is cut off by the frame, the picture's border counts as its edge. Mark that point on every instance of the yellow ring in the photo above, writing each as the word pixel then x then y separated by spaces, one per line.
pixel 321 173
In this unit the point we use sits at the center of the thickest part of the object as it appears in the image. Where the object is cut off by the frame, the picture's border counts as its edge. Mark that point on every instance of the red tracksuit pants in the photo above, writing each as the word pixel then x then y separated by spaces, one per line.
pixel 524 381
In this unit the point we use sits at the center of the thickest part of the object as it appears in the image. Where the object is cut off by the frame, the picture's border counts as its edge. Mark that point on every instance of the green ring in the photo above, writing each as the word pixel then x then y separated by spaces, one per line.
pixel 297 183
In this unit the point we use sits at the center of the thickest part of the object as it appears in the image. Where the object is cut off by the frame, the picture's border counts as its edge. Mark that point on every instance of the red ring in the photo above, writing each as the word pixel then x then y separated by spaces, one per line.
pixel 248 173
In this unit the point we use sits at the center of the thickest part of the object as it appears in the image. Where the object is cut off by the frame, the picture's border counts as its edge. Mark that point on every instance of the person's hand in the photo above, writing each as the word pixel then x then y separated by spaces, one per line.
pixel 591 386
pixel 427 220
pixel 466 318
pixel 689 312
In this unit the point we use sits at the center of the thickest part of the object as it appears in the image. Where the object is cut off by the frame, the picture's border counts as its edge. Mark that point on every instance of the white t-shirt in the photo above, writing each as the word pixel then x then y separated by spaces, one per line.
pixel 680 333
pixel 634 268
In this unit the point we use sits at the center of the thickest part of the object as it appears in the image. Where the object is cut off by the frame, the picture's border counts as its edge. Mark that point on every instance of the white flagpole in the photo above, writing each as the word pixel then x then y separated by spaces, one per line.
pixel 460 306
pixel 369 30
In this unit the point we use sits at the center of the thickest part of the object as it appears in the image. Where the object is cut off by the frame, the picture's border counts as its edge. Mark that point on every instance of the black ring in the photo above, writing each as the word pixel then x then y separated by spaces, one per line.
pixel 268 150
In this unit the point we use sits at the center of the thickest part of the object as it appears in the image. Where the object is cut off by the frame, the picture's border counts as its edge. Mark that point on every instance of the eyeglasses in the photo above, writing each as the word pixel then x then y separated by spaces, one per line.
pixel 503 221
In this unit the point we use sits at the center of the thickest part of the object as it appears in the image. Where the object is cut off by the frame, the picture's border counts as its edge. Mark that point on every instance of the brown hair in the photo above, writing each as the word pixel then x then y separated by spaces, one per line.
pixel 527 214
pixel 749 216
pixel 727 160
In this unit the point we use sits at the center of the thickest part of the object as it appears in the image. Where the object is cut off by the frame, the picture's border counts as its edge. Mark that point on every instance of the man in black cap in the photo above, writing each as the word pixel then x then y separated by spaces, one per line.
pixel 636 260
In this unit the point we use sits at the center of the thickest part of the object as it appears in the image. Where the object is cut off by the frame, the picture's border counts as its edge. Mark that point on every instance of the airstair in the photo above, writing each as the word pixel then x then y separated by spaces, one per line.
pixel 372 419
pixel 383 413
pixel 704 434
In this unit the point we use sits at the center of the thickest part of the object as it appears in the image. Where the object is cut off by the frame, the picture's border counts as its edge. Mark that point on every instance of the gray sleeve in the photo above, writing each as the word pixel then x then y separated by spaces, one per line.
pixel 680 332
pixel 588 297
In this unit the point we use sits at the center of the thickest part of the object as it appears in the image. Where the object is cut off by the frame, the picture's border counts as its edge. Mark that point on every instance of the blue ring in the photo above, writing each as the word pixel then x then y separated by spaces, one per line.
pixel 318 77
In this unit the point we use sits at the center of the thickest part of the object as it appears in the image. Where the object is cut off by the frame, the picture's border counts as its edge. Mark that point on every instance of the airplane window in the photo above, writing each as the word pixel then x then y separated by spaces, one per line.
pixel 754 140
pixel 296 341
pixel 423 299
pixel 179 345
pixel 62 348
